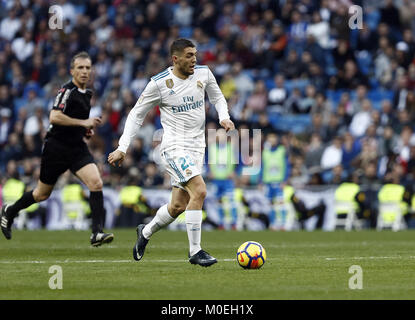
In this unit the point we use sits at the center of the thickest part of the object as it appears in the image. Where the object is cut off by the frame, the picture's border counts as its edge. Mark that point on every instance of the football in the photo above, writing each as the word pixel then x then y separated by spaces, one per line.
pixel 251 255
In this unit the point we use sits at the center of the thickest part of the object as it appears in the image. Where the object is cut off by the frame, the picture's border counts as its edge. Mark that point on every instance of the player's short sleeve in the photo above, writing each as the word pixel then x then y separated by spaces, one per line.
pixel 61 99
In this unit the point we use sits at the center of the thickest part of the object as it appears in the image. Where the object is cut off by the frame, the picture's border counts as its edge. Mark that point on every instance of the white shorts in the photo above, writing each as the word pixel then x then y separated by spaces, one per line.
pixel 182 165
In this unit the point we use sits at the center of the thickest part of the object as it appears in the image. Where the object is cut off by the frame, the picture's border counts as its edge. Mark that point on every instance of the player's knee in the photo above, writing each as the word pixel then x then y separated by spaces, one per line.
pixel 177 208
pixel 95 185
pixel 203 193
pixel 200 193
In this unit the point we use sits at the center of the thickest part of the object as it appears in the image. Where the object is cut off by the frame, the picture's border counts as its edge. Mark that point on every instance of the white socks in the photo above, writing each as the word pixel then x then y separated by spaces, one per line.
pixel 162 219
pixel 194 225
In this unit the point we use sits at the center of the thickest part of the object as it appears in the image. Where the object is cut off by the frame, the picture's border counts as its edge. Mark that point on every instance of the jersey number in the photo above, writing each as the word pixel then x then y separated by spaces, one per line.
pixel 183 163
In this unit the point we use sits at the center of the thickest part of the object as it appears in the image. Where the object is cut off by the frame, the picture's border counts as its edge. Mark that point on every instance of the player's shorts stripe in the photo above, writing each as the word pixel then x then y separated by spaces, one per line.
pixel 181 177
pixel 173 165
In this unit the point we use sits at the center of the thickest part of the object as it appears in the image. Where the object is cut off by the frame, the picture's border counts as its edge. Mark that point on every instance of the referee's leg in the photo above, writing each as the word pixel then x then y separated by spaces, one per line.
pixel 8 213
pixel 89 175
pixel 40 193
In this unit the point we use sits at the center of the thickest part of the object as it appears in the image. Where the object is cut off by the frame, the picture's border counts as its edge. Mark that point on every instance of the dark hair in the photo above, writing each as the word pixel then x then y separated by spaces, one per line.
pixel 179 45
pixel 82 54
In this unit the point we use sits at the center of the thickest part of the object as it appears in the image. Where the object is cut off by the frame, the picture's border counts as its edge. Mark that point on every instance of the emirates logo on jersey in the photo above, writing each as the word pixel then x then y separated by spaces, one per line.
pixel 169 83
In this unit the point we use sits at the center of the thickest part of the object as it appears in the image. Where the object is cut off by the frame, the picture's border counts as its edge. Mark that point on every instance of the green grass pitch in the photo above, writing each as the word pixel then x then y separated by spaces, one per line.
pixel 300 265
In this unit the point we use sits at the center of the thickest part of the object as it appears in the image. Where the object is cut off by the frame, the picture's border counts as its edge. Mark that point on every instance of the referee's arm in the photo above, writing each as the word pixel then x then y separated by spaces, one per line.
pixel 57 117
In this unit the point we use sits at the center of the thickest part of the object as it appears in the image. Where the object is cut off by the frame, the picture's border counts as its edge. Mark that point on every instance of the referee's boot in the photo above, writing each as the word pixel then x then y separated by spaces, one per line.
pixel 100 237
pixel 202 258
pixel 140 245
pixel 6 223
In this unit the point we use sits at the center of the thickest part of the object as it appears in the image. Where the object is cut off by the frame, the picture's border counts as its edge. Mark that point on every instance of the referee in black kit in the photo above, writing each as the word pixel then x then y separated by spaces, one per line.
pixel 64 149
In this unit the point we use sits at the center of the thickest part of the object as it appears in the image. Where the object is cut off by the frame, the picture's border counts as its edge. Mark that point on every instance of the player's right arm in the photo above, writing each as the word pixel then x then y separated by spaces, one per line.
pixel 148 99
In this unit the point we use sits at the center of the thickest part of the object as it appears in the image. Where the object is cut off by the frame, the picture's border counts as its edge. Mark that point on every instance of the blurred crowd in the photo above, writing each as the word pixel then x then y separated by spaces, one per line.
pixel 353 90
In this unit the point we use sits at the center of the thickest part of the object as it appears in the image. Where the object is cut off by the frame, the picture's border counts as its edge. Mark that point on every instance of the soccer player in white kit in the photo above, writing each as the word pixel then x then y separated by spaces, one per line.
pixel 179 91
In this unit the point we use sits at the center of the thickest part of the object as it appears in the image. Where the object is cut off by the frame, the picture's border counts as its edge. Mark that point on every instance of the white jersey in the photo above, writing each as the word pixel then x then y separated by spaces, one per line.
pixel 182 108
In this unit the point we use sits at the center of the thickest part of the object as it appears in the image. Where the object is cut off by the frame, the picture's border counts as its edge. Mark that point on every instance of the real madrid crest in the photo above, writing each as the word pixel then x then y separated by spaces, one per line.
pixel 169 83
pixel 199 84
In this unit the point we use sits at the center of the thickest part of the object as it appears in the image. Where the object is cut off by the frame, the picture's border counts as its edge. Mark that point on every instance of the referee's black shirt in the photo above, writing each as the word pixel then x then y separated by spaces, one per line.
pixel 75 103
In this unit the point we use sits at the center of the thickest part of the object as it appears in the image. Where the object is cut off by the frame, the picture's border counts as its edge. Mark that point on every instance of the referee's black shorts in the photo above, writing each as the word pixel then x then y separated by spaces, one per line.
pixel 58 157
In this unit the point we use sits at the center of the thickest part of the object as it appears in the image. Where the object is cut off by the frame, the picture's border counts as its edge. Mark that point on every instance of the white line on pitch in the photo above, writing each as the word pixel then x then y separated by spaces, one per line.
pixel 100 261
pixel 369 258
pixel 65 261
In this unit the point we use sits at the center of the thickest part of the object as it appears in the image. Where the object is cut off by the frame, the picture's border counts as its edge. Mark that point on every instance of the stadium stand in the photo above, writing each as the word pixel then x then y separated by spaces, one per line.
pixel 331 80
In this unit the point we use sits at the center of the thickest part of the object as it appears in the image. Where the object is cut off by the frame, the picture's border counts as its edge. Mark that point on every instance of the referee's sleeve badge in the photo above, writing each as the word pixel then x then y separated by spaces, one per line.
pixel 58 97
pixel 62 97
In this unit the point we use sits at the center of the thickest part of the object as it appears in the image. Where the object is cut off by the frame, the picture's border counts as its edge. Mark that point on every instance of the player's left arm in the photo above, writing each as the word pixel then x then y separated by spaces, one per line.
pixel 218 100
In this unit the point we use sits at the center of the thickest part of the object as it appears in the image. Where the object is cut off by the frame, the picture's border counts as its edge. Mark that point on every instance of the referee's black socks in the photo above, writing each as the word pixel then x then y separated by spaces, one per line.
pixel 25 201
pixel 96 201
